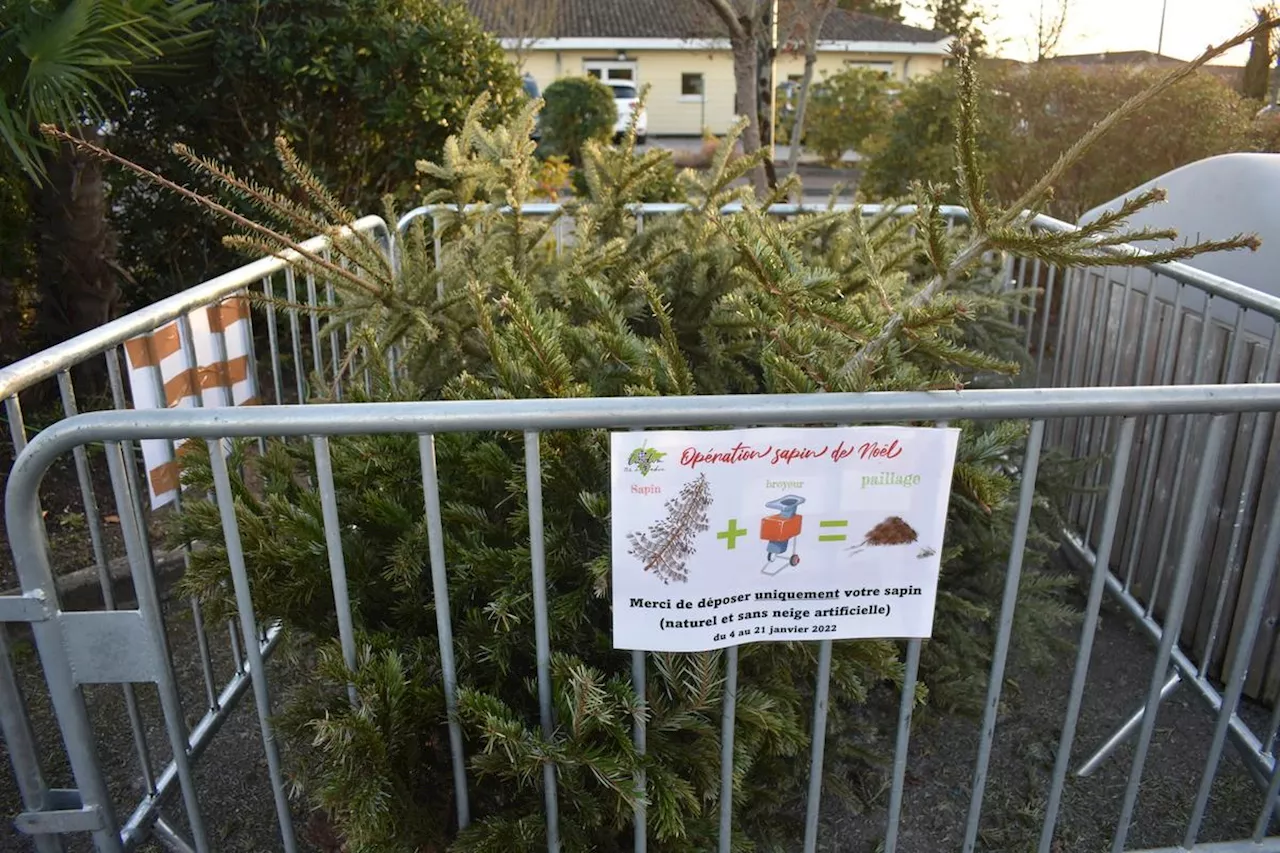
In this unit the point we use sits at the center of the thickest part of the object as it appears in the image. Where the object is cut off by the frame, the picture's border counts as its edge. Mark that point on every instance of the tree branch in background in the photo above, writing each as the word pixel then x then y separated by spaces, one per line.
pixel 526 21
pixel 1010 229
pixel 1049 30
pixel 270 235
pixel 810 17
pixel 1257 70
pixel 742 19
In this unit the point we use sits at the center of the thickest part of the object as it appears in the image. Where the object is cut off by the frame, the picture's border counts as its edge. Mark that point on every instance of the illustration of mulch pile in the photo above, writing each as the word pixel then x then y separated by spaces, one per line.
pixel 892 531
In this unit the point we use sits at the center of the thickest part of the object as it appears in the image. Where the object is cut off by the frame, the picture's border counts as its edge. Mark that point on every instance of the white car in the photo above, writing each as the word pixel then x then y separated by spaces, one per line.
pixel 626 99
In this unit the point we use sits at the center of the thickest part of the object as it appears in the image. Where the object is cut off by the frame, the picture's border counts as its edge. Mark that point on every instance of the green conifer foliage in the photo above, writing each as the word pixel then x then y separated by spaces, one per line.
pixel 695 302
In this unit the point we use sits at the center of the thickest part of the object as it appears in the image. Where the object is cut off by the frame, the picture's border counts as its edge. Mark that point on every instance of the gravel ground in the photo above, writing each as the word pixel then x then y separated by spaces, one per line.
pixel 231 776
pixel 943 752
pixel 238 807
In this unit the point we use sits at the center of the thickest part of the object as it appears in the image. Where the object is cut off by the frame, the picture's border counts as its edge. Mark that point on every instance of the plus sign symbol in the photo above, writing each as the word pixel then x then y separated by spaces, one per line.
pixel 731 534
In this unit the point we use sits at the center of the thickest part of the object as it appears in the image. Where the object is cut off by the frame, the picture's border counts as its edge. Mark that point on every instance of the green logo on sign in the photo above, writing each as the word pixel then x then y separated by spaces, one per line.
pixel 645 459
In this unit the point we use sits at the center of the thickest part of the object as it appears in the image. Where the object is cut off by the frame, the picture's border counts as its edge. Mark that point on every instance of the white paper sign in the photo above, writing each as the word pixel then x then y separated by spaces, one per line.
pixel 728 537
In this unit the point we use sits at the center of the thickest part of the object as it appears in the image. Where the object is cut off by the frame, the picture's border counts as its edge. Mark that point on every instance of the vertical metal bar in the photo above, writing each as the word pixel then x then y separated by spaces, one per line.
pixel 237 657
pixel 249 628
pixel 1235 681
pixel 1262 426
pixel 92 515
pixel 1021 526
pixel 436 244
pixel 166 682
pixel 1094 368
pixel 130 460
pixel 639 736
pixel 20 740
pixel 1101 565
pixel 727 718
pixel 1115 375
pixel 1044 321
pixel 1201 345
pixel 1149 468
pixel 93 518
pixel 19 737
pixel 1268 806
pixel 444 621
pixel 1070 296
pixel 255 382
pixel 273 340
pixel 818 745
pixel 313 300
pixel 202 639
pixel 333 338
pixel 906 708
pixel 31 557
pixel 337 563
pixel 1144 331
pixel 206 661
pixel 299 371
pixel 1019 283
pixel 1031 310
pixel 542 636
pixel 1173 620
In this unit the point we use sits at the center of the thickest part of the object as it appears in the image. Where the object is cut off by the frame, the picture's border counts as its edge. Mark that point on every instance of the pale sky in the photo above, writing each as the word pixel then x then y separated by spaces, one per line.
pixel 1095 26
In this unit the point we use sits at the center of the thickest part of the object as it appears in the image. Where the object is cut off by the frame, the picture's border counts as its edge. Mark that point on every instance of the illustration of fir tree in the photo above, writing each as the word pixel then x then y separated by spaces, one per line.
pixel 667 545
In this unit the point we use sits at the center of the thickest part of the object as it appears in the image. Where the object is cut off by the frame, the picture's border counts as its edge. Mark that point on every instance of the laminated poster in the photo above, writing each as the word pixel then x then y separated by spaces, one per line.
pixel 729 537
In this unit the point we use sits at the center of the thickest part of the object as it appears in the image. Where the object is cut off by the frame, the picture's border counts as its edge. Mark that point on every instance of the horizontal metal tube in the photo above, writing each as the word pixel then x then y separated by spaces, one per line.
pixel 1240 732
pixel 1180 272
pixel 1267 845
pixel 950 211
pixel 134 830
pixel 618 412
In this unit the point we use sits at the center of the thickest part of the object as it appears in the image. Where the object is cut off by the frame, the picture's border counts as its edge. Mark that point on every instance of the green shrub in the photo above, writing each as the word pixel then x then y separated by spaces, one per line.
pixel 1266 132
pixel 363 88
pixel 577 110
pixel 1028 118
pixel 844 110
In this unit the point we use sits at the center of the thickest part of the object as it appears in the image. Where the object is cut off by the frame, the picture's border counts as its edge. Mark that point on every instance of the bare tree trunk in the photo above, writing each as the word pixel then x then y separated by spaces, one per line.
pixel 743 28
pixel 745 72
pixel 802 99
pixel 79 288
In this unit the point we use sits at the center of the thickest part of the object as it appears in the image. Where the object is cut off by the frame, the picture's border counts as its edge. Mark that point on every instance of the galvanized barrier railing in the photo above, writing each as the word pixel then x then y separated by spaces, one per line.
pixel 62 643
pixel 1168 324
pixel 288 381
pixel 1060 334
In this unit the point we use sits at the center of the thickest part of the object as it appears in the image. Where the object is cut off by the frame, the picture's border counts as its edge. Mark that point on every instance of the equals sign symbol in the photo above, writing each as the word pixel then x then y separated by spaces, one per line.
pixel 832 537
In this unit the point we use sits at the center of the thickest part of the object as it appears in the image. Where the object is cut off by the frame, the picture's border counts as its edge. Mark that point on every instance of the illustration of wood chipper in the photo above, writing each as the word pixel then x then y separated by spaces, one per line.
pixel 780 531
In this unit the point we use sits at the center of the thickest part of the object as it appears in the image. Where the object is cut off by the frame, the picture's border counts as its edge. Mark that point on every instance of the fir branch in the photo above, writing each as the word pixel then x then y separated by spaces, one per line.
pixel 207 203
pixel 1081 253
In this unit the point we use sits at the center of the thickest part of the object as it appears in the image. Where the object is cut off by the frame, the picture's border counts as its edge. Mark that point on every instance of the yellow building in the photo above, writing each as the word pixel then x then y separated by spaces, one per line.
pixel 678 48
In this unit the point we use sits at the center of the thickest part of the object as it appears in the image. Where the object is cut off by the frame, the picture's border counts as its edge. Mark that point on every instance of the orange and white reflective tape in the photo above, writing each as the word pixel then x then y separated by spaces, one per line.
pixel 162 375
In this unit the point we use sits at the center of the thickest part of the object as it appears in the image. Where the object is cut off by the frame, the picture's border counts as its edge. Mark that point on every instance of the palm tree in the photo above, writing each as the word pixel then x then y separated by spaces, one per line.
pixel 60 60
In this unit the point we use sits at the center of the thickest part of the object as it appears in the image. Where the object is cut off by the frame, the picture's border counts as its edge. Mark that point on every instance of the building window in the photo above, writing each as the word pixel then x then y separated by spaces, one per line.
pixel 691 87
pixel 885 69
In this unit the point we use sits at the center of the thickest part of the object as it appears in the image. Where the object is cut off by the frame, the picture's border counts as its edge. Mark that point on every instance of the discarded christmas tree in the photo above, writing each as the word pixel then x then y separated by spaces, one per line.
pixel 667 546
pixel 694 303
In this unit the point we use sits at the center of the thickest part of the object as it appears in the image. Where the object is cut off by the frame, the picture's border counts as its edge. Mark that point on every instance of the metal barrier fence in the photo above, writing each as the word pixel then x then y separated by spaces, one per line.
pixel 1069 335
pixel 47 809
pixel 1168 324
pixel 69 642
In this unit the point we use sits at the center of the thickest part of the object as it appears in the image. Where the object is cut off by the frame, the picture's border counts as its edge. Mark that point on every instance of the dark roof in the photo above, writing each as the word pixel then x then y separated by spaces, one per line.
pixel 681 19
pixel 1117 57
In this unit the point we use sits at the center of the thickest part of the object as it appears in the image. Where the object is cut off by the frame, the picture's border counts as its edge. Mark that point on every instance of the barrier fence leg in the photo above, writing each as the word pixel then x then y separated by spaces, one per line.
pixel 1126 731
